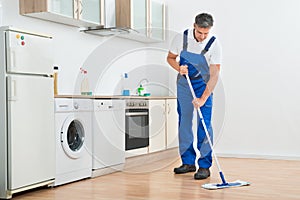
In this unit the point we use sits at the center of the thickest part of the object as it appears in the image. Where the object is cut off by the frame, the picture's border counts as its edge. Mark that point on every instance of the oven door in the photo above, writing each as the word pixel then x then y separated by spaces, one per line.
pixel 136 128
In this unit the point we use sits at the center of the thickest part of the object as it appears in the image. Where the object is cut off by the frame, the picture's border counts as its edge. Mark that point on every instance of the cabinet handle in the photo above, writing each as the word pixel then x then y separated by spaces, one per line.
pixel 75 7
pixel 102 12
pixel 169 108
pixel 80 8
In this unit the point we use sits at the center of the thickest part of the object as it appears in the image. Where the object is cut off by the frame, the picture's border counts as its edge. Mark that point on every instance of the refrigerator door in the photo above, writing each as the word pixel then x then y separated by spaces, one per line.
pixel 31 137
pixel 28 53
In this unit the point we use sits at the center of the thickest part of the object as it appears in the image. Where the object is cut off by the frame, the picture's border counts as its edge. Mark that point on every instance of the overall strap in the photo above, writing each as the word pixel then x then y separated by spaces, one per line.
pixel 185 37
pixel 206 48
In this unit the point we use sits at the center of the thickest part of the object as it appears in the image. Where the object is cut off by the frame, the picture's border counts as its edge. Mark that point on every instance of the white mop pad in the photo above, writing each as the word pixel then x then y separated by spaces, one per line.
pixel 214 186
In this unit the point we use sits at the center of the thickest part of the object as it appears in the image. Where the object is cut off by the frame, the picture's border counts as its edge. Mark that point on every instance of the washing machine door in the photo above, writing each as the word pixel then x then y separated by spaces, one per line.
pixel 73 137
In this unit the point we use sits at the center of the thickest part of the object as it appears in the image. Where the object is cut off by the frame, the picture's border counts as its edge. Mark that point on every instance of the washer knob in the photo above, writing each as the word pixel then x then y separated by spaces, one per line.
pixel 76 106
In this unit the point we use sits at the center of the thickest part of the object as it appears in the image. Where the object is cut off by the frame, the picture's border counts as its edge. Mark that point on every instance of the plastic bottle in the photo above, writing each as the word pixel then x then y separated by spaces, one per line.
pixel 55 77
pixel 84 89
pixel 141 90
pixel 125 90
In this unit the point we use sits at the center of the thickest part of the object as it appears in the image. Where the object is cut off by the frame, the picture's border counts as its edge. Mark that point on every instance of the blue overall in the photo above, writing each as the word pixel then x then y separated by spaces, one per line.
pixel 198 70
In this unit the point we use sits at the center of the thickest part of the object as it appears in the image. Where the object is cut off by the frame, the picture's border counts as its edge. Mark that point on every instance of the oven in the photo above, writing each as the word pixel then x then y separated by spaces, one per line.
pixel 136 124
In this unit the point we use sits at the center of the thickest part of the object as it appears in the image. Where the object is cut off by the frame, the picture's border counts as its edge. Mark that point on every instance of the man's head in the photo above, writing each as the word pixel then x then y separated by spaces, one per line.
pixel 202 26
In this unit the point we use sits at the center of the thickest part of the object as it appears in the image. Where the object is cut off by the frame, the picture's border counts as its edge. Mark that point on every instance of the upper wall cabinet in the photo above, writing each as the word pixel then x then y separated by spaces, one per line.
pixel 157 20
pixel 144 17
pixel 71 12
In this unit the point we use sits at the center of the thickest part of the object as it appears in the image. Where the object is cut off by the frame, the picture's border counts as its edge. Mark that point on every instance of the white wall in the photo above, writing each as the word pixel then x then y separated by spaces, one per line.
pixel 71 46
pixel 75 49
pixel 260 73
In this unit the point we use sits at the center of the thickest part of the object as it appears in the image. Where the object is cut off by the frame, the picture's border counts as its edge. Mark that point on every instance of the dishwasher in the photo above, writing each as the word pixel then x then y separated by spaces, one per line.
pixel 108 136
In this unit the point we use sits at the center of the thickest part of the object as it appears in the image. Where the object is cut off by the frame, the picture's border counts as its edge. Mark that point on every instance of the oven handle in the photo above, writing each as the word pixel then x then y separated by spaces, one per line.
pixel 136 113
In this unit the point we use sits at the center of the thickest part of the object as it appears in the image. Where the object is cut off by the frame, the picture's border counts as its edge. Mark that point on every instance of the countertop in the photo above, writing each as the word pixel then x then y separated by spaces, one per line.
pixel 113 97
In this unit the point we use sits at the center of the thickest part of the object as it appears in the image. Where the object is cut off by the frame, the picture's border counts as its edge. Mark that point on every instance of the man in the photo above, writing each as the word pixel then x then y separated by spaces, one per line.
pixel 200 59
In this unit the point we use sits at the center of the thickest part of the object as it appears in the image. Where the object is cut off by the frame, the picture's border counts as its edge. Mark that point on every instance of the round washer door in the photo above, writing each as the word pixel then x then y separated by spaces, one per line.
pixel 72 137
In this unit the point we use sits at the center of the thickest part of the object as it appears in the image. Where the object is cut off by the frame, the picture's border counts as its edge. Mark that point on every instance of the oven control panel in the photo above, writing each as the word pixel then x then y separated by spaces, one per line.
pixel 137 103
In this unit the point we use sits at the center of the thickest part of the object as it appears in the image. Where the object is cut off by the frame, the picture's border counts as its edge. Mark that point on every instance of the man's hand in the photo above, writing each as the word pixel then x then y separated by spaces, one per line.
pixel 198 102
pixel 183 70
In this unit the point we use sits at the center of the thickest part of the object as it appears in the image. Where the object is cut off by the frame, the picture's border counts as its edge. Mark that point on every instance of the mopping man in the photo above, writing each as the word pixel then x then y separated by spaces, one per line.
pixel 200 59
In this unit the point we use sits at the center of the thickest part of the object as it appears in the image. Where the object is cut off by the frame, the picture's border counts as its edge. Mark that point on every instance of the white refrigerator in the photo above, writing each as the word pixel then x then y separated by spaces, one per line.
pixel 27 137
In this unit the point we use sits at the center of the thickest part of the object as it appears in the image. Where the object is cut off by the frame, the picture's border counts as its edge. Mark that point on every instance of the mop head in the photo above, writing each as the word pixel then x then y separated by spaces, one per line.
pixel 215 186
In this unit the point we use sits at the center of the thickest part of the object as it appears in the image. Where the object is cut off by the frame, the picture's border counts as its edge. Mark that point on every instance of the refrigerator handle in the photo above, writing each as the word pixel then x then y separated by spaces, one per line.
pixel 11 60
pixel 12 90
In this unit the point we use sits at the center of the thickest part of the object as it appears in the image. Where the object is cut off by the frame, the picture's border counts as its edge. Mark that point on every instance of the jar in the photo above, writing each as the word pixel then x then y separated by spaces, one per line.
pixel 55 77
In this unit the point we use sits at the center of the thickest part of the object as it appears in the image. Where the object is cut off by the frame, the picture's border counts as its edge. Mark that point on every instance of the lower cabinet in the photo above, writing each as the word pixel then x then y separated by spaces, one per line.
pixel 171 123
pixel 163 124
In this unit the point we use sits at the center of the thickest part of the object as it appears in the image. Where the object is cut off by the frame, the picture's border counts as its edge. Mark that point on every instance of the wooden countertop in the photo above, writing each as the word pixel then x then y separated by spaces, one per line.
pixel 113 97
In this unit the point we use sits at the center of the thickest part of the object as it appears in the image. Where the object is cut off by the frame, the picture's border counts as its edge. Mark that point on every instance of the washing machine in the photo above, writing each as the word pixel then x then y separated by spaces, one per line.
pixel 73 118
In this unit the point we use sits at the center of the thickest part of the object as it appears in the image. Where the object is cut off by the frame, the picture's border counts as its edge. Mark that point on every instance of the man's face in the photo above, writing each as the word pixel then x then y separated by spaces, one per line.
pixel 201 33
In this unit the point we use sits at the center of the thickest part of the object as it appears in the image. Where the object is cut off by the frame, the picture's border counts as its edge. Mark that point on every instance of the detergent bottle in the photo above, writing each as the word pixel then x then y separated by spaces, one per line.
pixel 84 88
pixel 141 90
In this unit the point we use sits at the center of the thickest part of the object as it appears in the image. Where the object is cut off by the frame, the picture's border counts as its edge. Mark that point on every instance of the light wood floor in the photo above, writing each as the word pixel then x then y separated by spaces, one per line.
pixel 270 179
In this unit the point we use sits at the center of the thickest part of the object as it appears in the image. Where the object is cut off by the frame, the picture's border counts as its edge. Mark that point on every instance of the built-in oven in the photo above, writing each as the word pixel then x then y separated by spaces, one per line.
pixel 136 124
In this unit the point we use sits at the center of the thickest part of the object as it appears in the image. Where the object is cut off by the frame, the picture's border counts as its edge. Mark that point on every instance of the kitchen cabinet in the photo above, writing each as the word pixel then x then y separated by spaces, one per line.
pixel 80 13
pixel 157 130
pixel 90 11
pixel 144 18
pixel 163 124
pixel 157 21
pixel 171 123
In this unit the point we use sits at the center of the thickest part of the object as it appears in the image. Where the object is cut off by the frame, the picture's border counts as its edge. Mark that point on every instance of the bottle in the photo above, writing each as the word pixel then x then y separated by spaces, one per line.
pixel 141 90
pixel 84 89
pixel 55 77
pixel 125 90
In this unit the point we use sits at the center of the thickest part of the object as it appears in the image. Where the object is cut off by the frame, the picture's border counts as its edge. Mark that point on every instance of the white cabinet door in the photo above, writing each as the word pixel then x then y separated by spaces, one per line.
pixel 61 7
pixel 80 13
pixel 139 16
pixel 172 123
pixel 89 10
pixel 31 136
pixel 157 20
pixel 157 119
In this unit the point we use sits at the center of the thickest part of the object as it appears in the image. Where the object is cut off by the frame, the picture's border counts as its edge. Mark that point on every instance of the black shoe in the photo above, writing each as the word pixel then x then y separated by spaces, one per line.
pixel 184 169
pixel 202 173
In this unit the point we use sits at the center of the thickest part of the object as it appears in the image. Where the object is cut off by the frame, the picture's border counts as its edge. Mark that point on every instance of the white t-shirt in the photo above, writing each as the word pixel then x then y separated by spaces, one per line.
pixel 214 54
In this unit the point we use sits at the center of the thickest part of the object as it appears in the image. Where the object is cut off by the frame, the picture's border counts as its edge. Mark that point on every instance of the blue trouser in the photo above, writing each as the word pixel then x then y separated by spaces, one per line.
pixel 198 70
pixel 185 110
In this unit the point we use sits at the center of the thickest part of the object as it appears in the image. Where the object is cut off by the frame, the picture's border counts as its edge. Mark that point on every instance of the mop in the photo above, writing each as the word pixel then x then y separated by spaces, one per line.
pixel 224 184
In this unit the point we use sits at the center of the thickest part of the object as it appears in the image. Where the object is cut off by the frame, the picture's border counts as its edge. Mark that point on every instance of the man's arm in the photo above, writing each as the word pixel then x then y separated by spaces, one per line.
pixel 214 71
pixel 171 58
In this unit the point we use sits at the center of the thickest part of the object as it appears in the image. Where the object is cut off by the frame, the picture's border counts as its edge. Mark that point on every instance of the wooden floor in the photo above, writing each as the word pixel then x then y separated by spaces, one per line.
pixel 270 179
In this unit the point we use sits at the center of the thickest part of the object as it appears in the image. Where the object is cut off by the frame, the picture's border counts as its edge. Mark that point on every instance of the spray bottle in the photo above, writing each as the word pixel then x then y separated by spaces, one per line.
pixel 84 88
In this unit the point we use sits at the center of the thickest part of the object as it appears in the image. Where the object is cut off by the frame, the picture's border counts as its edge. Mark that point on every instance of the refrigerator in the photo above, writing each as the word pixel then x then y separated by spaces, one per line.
pixel 27 137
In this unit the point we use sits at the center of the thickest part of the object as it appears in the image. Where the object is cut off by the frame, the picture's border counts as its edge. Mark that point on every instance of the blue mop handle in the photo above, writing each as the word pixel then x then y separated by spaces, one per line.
pixel 206 132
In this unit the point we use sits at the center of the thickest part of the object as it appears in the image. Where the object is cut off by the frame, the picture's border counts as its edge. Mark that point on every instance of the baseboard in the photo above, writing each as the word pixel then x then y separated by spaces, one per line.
pixel 107 170
pixel 256 156
pixel 149 158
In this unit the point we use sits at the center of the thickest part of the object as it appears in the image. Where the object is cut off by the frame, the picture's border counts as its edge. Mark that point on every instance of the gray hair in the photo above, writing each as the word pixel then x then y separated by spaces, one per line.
pixel 204 20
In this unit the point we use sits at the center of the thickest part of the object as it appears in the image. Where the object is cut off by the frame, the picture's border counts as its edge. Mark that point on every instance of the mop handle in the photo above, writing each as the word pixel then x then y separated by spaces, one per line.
pixel 205 129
